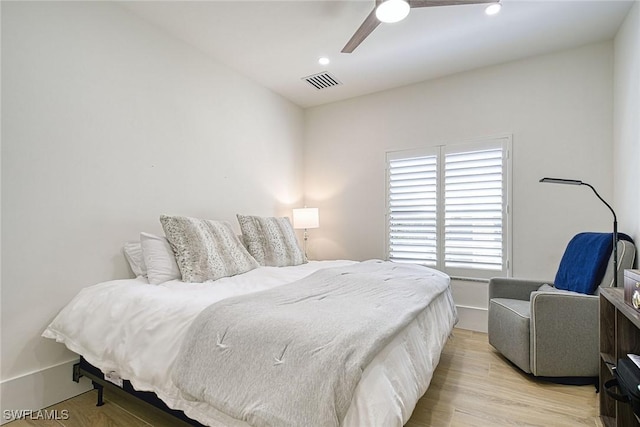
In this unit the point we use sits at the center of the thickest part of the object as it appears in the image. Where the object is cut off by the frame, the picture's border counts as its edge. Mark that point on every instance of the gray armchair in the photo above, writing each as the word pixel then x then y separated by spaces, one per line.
pixel 549 332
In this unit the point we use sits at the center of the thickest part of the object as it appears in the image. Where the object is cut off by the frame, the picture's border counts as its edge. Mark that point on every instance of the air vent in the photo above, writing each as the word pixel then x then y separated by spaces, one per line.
pixel 322 80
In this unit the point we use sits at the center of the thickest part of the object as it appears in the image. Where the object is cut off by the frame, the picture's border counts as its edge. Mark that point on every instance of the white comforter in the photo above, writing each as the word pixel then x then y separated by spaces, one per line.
pixel 134 329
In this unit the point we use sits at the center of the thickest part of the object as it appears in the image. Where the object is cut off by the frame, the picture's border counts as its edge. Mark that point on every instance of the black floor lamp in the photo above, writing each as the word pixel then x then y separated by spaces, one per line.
pixel 615 219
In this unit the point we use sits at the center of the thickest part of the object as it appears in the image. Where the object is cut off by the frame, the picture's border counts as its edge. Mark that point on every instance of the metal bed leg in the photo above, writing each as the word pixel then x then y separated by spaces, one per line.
pixel 76 372
pixel 100 389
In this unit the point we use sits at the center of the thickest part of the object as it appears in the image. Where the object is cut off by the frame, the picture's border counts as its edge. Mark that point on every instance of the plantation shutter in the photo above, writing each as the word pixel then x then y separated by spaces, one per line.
pixel 473 205
pixel 447 207
pixel 412 203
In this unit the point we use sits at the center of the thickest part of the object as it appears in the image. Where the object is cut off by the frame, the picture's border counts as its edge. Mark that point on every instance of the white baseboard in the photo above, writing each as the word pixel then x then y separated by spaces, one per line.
pixel 473 318
pixel 39 390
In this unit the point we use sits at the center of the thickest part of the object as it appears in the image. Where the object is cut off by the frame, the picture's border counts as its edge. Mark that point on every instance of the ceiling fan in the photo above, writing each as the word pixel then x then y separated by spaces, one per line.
pixel 376 16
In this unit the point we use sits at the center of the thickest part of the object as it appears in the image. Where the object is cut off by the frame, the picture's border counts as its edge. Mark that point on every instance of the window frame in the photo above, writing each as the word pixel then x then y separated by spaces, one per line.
pixel 504 142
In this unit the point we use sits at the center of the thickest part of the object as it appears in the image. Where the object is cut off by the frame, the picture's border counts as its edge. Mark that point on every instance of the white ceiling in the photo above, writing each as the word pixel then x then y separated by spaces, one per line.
pixel 277 43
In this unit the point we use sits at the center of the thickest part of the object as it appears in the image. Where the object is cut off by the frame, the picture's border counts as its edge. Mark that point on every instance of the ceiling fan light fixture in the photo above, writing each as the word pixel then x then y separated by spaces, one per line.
pixel 493 8
pixel 391 11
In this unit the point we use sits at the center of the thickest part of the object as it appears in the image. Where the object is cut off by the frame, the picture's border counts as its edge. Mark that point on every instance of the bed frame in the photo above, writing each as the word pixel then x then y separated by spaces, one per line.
pixel 85 369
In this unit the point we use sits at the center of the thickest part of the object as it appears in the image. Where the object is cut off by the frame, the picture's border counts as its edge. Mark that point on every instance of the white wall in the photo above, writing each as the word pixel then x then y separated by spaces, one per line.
pixel 558 107
pixel 626 121
pixel 108 123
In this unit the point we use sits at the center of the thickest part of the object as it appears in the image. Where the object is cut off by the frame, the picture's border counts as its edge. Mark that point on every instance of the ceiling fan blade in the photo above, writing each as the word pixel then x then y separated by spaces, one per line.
pixel 367 27
pixel 432 3
pixel 371 21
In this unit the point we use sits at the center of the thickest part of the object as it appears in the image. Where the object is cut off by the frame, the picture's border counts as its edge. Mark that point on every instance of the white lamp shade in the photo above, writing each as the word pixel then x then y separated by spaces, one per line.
pixel 391 11
pixel 306 218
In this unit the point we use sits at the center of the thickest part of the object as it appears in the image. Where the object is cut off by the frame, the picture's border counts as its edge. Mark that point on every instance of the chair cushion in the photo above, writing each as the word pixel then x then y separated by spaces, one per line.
pixel 584 262
pixel 509 330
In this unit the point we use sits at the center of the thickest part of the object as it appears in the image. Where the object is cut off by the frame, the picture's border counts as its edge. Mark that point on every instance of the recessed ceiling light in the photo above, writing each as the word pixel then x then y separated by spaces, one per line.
pixel 323 60
pixel 493 8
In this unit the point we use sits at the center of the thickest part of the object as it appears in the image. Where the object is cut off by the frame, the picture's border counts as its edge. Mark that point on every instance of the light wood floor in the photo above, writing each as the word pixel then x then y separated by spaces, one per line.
pixel 472 386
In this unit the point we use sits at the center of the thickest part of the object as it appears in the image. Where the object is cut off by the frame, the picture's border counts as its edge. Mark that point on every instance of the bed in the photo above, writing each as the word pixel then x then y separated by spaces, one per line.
pixel 131 330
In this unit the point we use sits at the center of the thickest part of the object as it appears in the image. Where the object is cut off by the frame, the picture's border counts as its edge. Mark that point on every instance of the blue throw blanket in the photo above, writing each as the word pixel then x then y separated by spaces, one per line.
pixel 585 261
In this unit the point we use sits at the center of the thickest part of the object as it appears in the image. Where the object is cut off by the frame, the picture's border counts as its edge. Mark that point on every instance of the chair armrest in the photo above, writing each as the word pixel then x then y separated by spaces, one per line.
pixel 504 287
pixel 564 334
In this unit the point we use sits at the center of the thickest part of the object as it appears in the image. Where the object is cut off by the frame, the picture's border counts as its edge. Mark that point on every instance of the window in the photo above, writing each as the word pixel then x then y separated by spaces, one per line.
pixel 448 207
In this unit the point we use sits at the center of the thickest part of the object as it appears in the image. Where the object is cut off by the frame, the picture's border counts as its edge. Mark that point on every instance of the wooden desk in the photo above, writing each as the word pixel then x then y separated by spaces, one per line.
pixel 619 335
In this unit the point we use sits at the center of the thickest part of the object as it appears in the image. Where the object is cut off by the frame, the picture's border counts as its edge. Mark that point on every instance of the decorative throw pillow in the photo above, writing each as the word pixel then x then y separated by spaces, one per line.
pixel 159 259
pixel 205 249
pixel 271 241
pixel 133 254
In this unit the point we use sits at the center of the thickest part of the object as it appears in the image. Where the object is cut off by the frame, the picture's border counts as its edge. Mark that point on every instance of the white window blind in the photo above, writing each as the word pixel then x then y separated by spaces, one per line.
pixel 413 198
pixel 448 208
pixel 473 209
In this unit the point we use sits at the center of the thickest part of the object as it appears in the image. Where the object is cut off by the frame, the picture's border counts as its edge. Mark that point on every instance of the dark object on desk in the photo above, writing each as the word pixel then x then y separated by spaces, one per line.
pixel 627 379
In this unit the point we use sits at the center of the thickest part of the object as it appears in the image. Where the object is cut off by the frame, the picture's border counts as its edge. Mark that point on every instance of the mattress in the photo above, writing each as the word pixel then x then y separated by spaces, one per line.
pixel 132 330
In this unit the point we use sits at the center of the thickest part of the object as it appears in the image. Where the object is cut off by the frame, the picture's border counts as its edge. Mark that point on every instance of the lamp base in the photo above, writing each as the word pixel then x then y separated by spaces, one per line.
pixel 304 243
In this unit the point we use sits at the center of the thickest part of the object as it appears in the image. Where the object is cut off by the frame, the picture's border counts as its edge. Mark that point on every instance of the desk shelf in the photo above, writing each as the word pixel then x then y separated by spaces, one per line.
pixel 619 335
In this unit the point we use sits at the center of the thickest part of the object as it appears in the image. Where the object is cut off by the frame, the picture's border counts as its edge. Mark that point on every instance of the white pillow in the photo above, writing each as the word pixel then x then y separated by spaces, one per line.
pixel 133 254
pixel 159 259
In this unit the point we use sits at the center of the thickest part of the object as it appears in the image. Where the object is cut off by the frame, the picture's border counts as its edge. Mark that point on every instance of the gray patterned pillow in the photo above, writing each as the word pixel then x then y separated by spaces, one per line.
pixel 271 241
pixel 204 249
